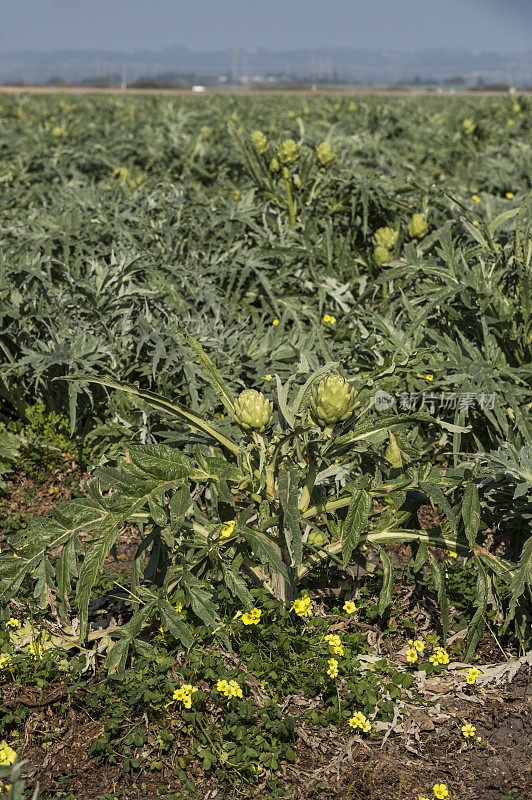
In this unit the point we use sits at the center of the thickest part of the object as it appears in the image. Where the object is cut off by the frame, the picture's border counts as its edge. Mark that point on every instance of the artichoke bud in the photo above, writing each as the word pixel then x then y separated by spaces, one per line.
pixel 316 538
pixel 325 155
pixel 331 401
pixel 274 165
pixel 260 141
pixel 253 411
pixel 381 255
pixel 288 152
pixel 417 227
pixel 386 237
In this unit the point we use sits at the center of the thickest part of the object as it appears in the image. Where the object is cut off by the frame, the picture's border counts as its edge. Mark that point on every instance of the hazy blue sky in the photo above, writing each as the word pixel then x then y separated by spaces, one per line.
pixel 476 25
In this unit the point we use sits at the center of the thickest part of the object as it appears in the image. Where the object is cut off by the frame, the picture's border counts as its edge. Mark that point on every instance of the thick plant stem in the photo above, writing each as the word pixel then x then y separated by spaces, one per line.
pixel 289 198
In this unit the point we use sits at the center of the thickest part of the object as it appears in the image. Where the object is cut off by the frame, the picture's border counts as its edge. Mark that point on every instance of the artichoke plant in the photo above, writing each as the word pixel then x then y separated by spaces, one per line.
pixel 231 509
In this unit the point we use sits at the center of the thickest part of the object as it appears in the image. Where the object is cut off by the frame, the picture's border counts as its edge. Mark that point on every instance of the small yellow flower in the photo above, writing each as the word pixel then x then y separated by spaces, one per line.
pixel 227 529
pixel 439 657
pixel 184 694
pixel 417 644
pixel 7 754
pixel 332 670
pixel 411 655
pixel 440 791
pixel 13 623
pixel 252 617
pixel 5 658
pixel 475 223
pixel 179 608
pixel 475 198
pixel 266 377
pixel 509 195
pixel 468 731
pixel 57 132
pixel 429 377
pixel 219 415
pixel 359 720
pixel 302 607
pixel 335 643
pixel 329 319
pixel 350 607
pixel 472 676
pixel 229 688
pixel 35 650
pixel 122 173
pixel 275 322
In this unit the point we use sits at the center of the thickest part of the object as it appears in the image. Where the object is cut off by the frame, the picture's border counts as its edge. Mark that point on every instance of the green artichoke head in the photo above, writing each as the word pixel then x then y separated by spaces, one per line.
pixel 325 155
pixel 316 538
pixel 417 227
pixel 331 401
pixel 253 411
pixel 260 141
pixel 288 152
pixel 381 255
pixel 385 237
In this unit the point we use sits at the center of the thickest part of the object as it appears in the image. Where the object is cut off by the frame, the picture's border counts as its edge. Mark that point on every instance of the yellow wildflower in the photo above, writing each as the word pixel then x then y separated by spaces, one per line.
pixel 252 617
pixel 475 198
pixel 266 377
pixel 184 694
pixel 227 529
pixel 13 623
pixel 359 720
pixel 472 676
pixel 219 415
pixel 302 607
pixel 509 195
pixel 5 658
pixel 335 643
pixel 417 644
pixel 179 608
pixel 329 319
pixel 122 173
pixel 411 655
pixel 275 322
pixel 440 791
pixel 350 607
pixel 468 730
pixel 7 754
pixel 429 377
pixel 229 688
pixel 332 670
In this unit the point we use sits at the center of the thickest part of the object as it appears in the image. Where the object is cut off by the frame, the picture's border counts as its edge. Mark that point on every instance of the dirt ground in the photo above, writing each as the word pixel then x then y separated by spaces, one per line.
pixel 425 749
pixel 429 750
